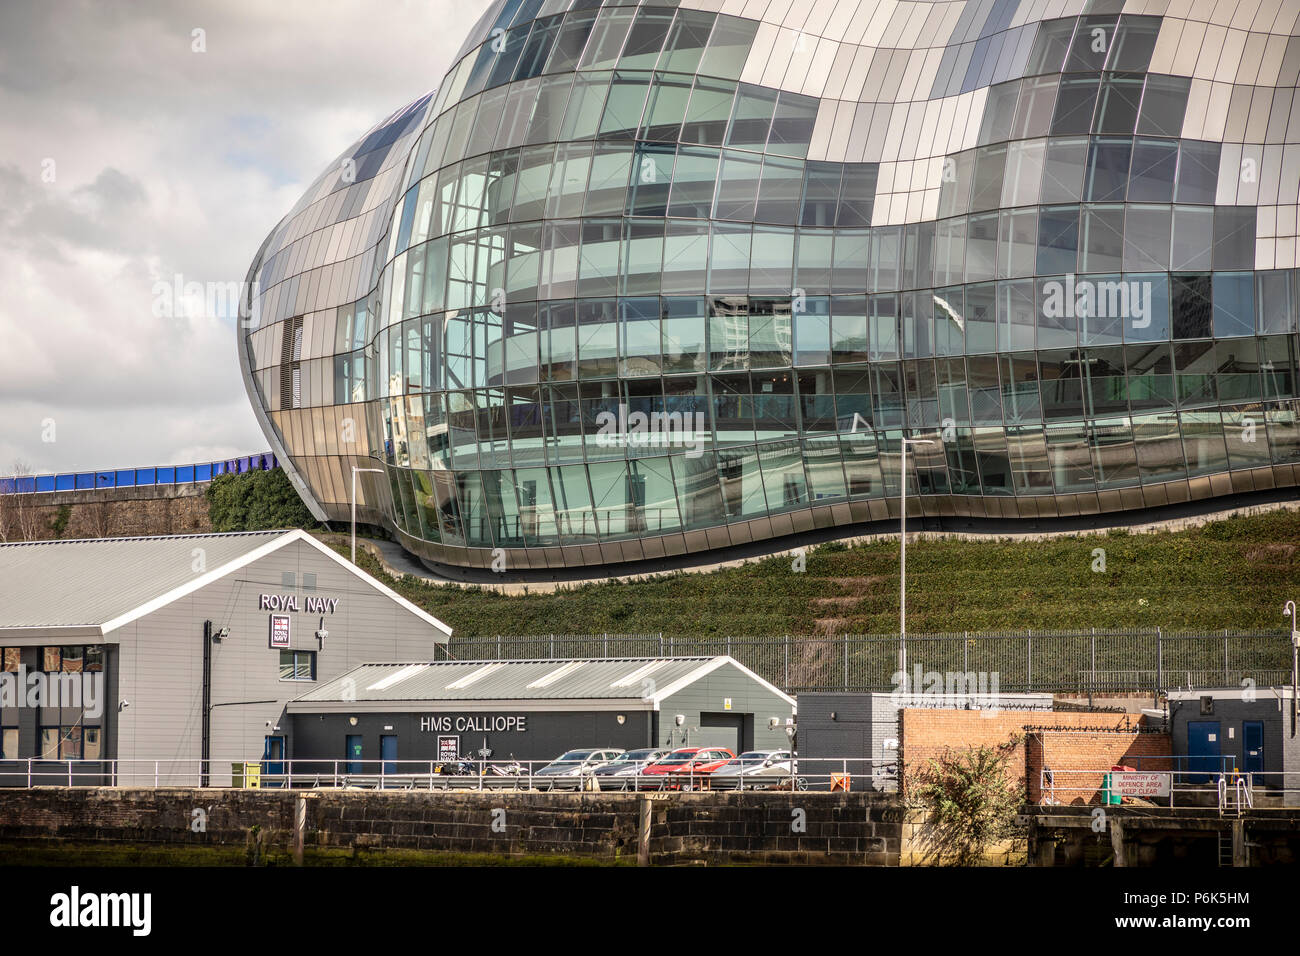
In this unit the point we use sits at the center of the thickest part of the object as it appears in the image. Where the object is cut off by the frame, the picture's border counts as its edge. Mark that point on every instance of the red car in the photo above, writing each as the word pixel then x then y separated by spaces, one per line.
pixel 683 768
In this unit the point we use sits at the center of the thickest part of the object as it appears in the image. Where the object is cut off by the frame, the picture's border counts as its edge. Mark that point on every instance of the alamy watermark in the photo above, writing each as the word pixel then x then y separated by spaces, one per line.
pixel 972 690
pixel 627 429
pixel 180 299
pixel 1076 298
pixel 24 688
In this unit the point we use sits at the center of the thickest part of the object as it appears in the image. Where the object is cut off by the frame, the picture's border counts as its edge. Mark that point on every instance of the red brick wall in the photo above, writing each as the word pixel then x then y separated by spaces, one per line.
pixel 1082 741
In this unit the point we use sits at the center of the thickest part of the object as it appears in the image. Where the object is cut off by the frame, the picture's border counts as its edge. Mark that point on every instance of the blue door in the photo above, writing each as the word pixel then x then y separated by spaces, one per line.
pixel 1203 750
pixel 272 761
pixel 388 752
pixel 1252 745
pixel 353 752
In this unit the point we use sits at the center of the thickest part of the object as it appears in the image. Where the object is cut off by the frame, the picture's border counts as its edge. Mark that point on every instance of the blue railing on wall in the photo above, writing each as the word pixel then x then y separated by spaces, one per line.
pixel 138 477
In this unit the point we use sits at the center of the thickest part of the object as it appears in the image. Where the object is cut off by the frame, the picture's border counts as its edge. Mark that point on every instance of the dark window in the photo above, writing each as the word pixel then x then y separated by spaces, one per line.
pixel 752 117
pixel 1234 237
pixel 1155 165
pixel 1058 239
pixel 1075 104
pixel 1106 179
pixel 821 191
pixel 1192 238
pixel 1190 303
pixel 1117 106
pixel 1163 105
pixel 1050 46
pixel 857 195
pixel 1092 44
pixel 792 125
pixel 1134 42
pixel 1198 172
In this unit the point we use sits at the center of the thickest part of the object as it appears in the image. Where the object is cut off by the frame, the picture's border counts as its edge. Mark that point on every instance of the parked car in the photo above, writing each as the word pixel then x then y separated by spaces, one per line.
pixel 567 770
pixel 686 767
pixel 752 770
pixel 621 772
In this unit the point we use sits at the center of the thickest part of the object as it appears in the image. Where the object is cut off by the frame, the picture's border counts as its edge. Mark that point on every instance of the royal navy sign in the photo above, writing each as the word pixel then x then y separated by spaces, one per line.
pixel 280 630
pixel 311 604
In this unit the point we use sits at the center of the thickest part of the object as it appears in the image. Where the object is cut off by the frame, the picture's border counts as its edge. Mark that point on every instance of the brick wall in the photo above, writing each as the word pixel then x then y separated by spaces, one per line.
pixel 1076 741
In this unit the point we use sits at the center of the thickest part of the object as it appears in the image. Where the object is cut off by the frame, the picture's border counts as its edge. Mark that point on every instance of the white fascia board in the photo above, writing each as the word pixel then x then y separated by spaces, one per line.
pixel 708 667
pixel 35 635
pixel 271 546
pixel 541 704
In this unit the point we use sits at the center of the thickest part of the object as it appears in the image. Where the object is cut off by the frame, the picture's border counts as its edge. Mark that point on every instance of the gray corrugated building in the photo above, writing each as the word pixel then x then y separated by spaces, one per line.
pixel 167 650
pixel 1251 730
pixel 535 710
pixel 857 733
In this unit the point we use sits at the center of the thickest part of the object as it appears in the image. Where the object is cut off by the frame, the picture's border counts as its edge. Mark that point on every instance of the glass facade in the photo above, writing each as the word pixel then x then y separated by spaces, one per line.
pixel 642 280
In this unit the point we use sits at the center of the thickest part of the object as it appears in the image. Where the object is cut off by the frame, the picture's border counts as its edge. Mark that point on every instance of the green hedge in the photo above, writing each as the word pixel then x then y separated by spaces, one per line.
pixel 1235 573
pixel 256 501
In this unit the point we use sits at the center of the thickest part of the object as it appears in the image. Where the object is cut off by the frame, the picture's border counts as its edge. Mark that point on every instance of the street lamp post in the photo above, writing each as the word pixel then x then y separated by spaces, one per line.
pixel 355 469
pixel 1289 610
pixel 902 559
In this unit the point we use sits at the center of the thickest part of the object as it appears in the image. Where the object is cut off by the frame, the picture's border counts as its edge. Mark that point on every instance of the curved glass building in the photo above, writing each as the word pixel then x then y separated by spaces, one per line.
pixel 644 280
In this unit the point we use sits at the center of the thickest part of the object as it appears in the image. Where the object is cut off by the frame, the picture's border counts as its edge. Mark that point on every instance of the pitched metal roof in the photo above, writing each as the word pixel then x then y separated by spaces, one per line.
pixel 105 583
pixel 643 679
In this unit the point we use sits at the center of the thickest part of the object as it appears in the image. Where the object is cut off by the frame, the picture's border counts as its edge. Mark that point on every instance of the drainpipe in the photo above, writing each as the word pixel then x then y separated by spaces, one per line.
pixel 205 750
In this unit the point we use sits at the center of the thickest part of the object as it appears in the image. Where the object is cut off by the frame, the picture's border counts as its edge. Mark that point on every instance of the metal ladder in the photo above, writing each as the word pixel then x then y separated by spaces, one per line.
pixel 1225 847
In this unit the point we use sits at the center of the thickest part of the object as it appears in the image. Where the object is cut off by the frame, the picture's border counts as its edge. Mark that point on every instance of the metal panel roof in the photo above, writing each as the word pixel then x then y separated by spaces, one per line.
pixel 605 679
pixel 105 583
pixel 71 583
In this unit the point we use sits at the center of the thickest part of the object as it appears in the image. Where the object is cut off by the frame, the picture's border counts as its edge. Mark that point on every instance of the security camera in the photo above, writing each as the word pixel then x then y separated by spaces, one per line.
pixel 773 723
pixel 123 704
pixel 679 719
pixel 223 633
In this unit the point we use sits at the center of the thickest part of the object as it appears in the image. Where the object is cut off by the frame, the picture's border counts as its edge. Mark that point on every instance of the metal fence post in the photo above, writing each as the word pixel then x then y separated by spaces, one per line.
pixel 1225 657
pixel 787 663
pixel 1029 662
pixel 846 662
pixel 1092 664
pixel 498 647
pixel 1160 662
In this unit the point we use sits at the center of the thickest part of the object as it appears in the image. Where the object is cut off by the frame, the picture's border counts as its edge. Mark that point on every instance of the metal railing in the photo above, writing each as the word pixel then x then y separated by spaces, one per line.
pixel 825 774
pixel 1092 662
pixel 151 475
pixel 1188 785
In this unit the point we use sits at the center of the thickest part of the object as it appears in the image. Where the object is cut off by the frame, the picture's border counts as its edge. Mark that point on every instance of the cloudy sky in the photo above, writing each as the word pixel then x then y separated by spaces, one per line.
pixel 128 158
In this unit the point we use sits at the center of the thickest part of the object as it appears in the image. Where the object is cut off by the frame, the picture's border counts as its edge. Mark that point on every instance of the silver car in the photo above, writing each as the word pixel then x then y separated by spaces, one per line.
pixel 567 771
pixel 621 772
pixel 752 770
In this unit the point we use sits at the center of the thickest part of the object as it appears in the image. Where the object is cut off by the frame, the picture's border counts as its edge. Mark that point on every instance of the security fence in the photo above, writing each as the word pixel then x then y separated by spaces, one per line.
pixel 1100 661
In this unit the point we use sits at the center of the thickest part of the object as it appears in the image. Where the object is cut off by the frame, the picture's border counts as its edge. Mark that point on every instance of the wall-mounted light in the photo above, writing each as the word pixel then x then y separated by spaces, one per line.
pixel 352 721
pixel 621 719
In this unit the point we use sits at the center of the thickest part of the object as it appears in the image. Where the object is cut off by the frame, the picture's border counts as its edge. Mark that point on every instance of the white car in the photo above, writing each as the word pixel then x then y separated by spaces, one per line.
pixel 752 770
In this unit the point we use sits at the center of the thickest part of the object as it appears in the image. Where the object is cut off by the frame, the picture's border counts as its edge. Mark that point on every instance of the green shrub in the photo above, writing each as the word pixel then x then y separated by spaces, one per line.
pixel 256 501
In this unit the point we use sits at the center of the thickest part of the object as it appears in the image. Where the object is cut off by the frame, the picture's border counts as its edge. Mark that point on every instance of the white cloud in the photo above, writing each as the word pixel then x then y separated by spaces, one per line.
pixel 167 162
